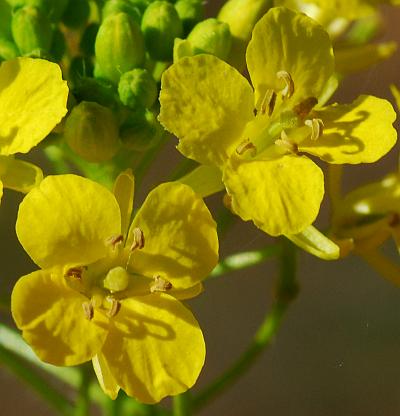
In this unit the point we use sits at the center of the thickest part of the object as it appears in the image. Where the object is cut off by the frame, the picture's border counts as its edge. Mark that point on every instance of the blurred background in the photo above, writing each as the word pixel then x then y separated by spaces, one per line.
pixel 338 350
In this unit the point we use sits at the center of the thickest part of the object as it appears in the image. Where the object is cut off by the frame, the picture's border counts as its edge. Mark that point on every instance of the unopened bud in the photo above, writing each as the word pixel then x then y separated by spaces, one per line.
pixel 31 30
pixel 137 89
pixel 119 46
pixel 76 13
pixel 54 9
pixel 190 12
pixel 160 26
pixel 211 36
pixel 96 90
pixel 91 131
pixel 112 7
pixel 141 132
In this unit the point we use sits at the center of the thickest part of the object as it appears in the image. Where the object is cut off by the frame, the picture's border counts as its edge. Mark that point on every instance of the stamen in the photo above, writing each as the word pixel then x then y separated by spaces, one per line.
pixel 75 272
pixel 227 201
pixel 284 141
pixel 288 91
pixel 88 310
pixel 245 146
pixel 303 109
pixel 115 307
pixel 160 285
pixel 114 240
pixel 317 127
pixel 268 102
pixel 138 239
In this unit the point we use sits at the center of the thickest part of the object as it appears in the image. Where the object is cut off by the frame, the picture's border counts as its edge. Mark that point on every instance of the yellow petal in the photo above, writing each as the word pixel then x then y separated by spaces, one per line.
pixel 204 180
pixel 52 319
pixel 19 175
pixel 67 220
pixel 360 132
pixel 106 379
pixel 155 348
pixel 33 100
pixel 316 243
pixel 189 293
pixel 181 243
pixel 205 103
pixel 281 196
pixel 124 191
pixel 287 41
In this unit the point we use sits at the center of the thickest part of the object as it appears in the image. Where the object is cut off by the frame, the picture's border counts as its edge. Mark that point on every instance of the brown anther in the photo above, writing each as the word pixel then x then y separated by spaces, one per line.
pixel 115 307
pixel 227 201
pixel 245 146
pixel 114 240
pixel 160 285
pixel 303 109
pixel 138 239
pixel 75 272
pixel 268 102
pixel 88 310
pixel 284 141
pixel 317 128
pixel 288 91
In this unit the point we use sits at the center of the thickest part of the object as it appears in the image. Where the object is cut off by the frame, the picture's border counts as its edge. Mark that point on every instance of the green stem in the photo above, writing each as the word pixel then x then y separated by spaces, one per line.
pixel 285 293
pixel 181 405
pixel 82 407
pixel 41 386
pixel 245 259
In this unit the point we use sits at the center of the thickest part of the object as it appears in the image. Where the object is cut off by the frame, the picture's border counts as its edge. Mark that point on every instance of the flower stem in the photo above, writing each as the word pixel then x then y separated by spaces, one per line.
pixel 245 259
pixel 182 405
pixel 82 407
pixel 41 386
pixel 285 293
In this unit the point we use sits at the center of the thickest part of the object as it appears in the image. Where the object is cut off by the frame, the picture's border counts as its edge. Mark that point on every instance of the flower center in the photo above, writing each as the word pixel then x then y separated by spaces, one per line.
pixel 111 279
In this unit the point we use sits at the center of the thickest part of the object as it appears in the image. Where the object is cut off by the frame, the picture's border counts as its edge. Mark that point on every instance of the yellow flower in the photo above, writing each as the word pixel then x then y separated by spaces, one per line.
pixel 108 290
pixel 367 217
pixel 258 139
pixel 33 100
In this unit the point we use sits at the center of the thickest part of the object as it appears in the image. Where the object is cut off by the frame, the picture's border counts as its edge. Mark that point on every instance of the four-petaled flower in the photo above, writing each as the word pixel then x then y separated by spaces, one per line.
pixel 33 98
pixel 108 290
pixel 257 139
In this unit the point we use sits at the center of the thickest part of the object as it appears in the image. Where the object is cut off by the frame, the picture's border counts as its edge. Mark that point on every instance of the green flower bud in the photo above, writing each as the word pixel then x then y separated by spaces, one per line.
pixel 5 20
pixel 91 131
pixel 58 45
pixel 137 89
pixel 88 39
pixel 125 6
pixel 190 12
pixel 80 67
pixel 182 48
pixel 54 9
pixel 32 31
pixel 241 16
pixel 211 36
pixel 160 26
pixel 119 46
pixel 141 131
pixel 76 13
pixel 8 49
pixel 95 90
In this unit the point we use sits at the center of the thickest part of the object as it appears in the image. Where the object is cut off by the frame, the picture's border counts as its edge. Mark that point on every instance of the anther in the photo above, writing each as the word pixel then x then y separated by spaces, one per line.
pixel 245 146
pixel 88 310
pixel 114 240
pixel 288 91
pixel 138 239
pixel 75 272
pixel 227 201
pixel 303 109
pixel 268 102
pixel 160 285
pixel 284 141
pixel 317 127
pixel 115 307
